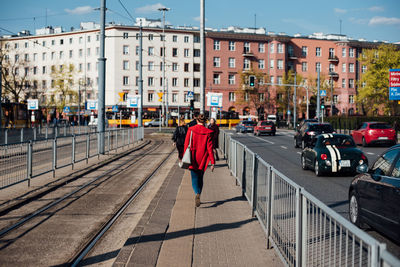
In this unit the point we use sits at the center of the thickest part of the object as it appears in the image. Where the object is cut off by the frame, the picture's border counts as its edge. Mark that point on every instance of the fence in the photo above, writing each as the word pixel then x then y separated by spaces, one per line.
pixel 302 229
pixel 23 161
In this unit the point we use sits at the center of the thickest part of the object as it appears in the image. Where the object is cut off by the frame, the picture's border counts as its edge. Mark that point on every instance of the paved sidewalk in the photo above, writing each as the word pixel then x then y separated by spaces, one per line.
pixel 221 232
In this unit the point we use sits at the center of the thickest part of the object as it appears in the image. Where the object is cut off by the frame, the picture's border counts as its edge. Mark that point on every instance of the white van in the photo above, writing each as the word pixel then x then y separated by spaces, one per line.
pixel 271 118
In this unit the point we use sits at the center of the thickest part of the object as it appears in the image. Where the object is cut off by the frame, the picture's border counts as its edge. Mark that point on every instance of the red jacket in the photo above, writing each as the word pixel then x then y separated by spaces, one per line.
pixel 202 152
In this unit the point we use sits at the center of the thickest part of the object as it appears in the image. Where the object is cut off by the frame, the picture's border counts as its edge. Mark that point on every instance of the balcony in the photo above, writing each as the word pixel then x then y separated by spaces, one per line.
pixel 247 53
pixel 334 75
pixel 292 56
pixel 333 59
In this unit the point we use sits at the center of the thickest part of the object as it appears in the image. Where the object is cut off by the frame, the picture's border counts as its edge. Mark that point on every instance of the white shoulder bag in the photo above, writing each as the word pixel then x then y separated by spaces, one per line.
pixel 186 159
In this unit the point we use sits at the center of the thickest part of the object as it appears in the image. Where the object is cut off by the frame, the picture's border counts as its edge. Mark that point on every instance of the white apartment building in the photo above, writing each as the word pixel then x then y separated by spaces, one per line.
pixel 51 48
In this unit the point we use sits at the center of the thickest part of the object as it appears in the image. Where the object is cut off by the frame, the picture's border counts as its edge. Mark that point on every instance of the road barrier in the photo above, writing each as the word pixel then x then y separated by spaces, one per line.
pixel 302 230
pixel 23 161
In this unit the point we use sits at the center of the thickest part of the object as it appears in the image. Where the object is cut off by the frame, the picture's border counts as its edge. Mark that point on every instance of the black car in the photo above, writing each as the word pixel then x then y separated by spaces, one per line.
pixel 245 126
pixel 374 195
pixel 304 122
pixel 332 153
pixel 309 131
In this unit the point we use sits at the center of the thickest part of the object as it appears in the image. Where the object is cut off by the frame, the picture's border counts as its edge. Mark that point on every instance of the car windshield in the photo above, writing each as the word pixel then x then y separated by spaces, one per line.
pixel 266 123
pixel 339 141
pixel 379 126
pixel 321 128
pixel 248 123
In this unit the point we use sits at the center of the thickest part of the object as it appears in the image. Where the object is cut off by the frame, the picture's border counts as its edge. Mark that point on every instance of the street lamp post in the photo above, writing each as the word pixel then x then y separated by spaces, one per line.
pixel 331 94
pixel 165 96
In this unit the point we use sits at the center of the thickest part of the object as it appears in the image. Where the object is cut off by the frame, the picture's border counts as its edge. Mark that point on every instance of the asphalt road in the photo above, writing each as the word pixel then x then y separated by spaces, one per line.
pixel 279 151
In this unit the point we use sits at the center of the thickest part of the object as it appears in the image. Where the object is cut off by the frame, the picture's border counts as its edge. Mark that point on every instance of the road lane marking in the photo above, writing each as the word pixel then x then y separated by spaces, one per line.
pixel 284 147
pixel 370 153
pixel 298 152
pixel 265 140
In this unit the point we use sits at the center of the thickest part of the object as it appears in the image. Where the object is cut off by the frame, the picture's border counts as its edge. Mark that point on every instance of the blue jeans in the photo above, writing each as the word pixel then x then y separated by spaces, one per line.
pixel 197 180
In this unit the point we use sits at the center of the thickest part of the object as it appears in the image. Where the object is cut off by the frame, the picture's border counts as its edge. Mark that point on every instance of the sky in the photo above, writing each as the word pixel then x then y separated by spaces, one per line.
pixel 368 19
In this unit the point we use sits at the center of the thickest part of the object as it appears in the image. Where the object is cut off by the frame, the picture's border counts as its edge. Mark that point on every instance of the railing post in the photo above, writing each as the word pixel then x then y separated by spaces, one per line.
pixel 34 133
pixel 108 141
pixel 6 136
pixel 47 132
pixel 87 147
pixel 304 224
pixel 243 174
pixel 271 207
pixel 65 130
pixel 123 138
pixel 55 129
pixel 254 187
pixel 54 157
pixel 116 148
pixel 299 228
pixel 22 135
pixel 73 151
pixel 129 137
pixel 98 144
pixel 29 163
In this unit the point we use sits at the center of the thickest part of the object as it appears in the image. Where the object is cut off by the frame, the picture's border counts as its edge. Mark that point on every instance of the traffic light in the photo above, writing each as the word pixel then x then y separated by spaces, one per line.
pixel 323 103
pixel 252 80
pixel 191 104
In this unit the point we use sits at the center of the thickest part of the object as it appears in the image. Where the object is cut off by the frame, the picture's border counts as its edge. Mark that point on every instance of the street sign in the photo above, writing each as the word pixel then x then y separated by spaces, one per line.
pixel 91 104
pixel 394 84
pixel 115 108
pixel 190 95
pixel 160 95
pixel 214 99
pixel 133 101
pixel 322 92
pixel 33 104
pixel 67 109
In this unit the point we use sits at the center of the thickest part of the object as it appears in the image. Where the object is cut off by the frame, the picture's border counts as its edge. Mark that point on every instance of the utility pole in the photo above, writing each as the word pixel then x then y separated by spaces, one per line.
pixel 102 79
pixel 79 103
pixel 140 122
pixel 331 95
pixel 202 58
pixel 318 98
pixel 165 95
pixel 294 101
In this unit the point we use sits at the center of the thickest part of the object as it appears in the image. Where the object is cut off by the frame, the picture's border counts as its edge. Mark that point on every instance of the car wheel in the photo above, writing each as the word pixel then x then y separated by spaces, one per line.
pixel 273 134
pixel 354 210
pixel 303 144
pixel 295 143
pixel 364 143
pixel 303 163
pixel 258 134
pixel 316 169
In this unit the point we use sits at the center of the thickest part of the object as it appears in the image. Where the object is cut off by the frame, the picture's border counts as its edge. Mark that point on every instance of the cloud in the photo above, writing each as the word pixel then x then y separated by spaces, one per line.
pixel 198 19
pixel 376 8
pixel 384 21
pixel 149 8
pixel 339 10
pixel 80 10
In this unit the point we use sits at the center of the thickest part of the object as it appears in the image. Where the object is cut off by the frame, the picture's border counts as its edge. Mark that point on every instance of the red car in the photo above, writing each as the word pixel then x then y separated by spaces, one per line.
pixel 374 133
pixel 265 127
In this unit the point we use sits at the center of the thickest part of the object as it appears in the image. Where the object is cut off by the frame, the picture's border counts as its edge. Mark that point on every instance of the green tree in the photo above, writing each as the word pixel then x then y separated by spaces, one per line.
pixel 373 92
pixel 63 93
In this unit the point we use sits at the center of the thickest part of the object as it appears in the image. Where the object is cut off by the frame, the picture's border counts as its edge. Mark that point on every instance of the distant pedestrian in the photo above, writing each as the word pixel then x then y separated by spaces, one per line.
pixel 214 127
pixel 179 137
pixel 202 154
pixel 194 121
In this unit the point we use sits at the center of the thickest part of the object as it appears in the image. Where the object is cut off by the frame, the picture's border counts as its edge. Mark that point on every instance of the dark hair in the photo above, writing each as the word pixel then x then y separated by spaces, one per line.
pixel 201 118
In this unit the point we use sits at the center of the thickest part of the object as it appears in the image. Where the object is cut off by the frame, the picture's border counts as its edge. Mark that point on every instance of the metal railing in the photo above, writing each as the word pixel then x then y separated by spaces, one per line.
pixel 302 229
pixel 23 161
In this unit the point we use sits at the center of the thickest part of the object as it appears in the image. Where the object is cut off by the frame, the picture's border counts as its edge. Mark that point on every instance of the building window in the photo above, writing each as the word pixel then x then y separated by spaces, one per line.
pixel 150 97
pixel 364 69
pixel 88 66
pixel 186 82
pixel 261 64
pixel 186 67
pixel 216 79
pixel 151 37
pixel 80 66
pixel 216 62
pixel 186 52
pixel 261 48
pixel 174 66
pixel 137 50
pixel 196 67
pixel 304 66
pixel 272 48
pixel 246 47
pixel 35 57
pixel 363 84
pixel 331 67
pixel 351 83
pixel 125 65
pixel 351 99
pixel 34 70
pixel 174 52
pixel 231 79
pixel 318 51
pixel 174 82
pixel 43 56
pixel 231 62
pixel 196 82
pixel 125 80
pixel 150 81
pixel 317 66
pixel 232 97
pixel 343 52
pixel 125 50
pixel 280 64
pixel 44 70
pixel 80 53
pixel 272 79
pixel 279 79
pixel 88 52
pixel 280 48
pixel 304 51
pixel 351 52
pixel 151 51
pixel 71 53
pixel 150 66
pixel 186 39
pixel 351 67
pixel 196 39
pixel 53 42
pixel 271 63
pixel 246 64
pixel 174 97
pixel 331 53
pixel 335 99
pixel 137 65
pixel 343 83
pixel 216 45
pixel 231 46
pixel 162 50
pixel 174 38
pixel 261 97
pixel 344 67
pixel 196 52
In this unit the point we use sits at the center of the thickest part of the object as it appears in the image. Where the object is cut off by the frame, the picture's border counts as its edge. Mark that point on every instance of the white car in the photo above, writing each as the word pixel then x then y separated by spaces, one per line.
pixel 153 123
pixel 93 123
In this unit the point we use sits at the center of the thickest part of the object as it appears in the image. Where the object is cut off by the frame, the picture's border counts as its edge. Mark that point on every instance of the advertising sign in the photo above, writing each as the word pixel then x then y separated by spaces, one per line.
pixel 214 99
pixel 33 104
pixel 91 104
pixel 133 101
pixel 394 84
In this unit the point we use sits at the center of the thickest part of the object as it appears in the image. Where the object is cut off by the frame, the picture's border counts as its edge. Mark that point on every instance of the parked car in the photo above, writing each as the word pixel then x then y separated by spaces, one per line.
pixel 370 133
pixel 265 127
pixel 153 123
pixel 309 131
pixel 332 153
pixel 272 118
pixel 374 195
pixel 245 126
